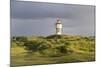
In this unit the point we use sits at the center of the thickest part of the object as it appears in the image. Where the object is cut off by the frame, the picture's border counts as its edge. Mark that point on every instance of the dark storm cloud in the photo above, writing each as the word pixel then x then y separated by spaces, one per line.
pixel 31 10
pixel 29 18
pixel 33 27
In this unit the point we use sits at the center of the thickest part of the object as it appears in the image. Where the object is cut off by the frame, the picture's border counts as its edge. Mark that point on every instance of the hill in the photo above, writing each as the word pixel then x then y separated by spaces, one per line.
pixel 52 49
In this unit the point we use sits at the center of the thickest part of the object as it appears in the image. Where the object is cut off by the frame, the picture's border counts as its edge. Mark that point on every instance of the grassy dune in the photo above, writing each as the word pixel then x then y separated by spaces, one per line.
pixel 52 49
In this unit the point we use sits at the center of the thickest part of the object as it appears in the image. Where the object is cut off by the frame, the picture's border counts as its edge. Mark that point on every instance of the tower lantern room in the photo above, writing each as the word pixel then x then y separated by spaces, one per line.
pixel 58 27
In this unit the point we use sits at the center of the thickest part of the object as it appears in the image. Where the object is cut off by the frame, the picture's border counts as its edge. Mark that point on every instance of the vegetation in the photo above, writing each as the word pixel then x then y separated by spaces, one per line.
pixel 51 49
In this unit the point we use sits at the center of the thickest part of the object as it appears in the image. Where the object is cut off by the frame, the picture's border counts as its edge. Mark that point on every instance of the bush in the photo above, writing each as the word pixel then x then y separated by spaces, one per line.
pixel 62 49
pixel 31 45
pixel 37 45
pixel 21 39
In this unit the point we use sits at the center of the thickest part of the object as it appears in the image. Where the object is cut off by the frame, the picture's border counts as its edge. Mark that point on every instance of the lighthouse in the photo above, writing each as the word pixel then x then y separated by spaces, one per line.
pixel 58 27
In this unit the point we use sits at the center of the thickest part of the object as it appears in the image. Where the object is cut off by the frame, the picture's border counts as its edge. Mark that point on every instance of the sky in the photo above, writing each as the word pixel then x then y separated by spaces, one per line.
pixel 38 18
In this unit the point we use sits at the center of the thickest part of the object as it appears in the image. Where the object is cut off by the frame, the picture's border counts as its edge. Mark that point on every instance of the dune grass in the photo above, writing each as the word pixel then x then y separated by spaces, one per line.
pixel 46 50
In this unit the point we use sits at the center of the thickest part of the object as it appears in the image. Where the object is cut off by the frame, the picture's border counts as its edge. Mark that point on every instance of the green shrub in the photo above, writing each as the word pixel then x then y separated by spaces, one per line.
pixel 21 39
pixel 61 49
pixel 37 45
